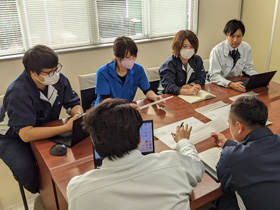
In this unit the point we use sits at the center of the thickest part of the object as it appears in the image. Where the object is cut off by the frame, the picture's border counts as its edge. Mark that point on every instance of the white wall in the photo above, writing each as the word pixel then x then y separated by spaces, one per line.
pixel 258 19
pixel 212 18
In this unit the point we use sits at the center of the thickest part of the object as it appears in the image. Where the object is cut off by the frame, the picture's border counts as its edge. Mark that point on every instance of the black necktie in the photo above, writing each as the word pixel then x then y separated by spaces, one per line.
pixel 235 56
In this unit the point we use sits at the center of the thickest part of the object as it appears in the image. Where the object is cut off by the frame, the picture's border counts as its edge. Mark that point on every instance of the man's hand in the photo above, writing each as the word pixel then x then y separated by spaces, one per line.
pixel 160 104
pixel 219 139
pixel 135 106
pixel 237 86
pixel 182 133
pixel 69 123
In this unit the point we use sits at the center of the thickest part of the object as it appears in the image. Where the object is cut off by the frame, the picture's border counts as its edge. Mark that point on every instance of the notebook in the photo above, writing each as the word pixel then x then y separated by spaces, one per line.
pixel 200 96
pixel 146 146
pixel 210 158
pixel 257 80
pixel 73 137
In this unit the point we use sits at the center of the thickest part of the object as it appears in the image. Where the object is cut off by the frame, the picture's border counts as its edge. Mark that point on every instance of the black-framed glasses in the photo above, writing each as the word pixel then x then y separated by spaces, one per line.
pixel 57 69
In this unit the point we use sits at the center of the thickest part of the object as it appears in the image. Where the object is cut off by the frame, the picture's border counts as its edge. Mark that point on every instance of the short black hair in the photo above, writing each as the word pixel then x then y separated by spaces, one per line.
pixel 39 57
pixel 124 45
pixel 233 25
pixel 249 110
pixel 114 128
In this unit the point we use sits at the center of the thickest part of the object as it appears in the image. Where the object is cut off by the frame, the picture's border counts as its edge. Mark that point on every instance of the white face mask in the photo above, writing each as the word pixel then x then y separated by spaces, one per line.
pixel 187 53
pixel 50 80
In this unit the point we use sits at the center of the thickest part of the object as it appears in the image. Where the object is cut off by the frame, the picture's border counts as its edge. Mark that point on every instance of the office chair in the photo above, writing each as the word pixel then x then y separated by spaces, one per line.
pixel 206 68
pixel 3 129
pixel 153 77
pixel 87 88
pixel 206 65
pixel 3 125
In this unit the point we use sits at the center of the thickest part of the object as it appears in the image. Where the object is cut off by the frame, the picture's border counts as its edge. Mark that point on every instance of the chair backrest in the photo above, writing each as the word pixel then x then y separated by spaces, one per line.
pixel 1 99
pixel 87 88
pixel 4 124
pixel 153 77
pixel 206 65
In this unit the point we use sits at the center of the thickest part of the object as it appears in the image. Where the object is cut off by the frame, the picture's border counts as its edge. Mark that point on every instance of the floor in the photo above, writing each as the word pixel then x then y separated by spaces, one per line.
pixel 10 197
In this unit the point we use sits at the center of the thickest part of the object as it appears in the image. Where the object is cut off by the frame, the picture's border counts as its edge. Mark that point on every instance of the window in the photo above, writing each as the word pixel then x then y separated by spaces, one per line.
pixel 62 24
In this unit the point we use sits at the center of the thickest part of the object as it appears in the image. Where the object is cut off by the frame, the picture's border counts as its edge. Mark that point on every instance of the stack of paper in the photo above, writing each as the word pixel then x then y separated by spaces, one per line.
pixel 199 132
pixel 164 133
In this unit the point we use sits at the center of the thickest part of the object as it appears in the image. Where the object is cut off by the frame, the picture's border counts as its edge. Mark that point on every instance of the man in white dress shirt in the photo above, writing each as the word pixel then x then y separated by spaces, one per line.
pixel 127 179
pixel 231 57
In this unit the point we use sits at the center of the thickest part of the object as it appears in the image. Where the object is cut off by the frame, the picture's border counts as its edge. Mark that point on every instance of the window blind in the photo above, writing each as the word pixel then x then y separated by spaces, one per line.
pixel 10 32
pixel 64 24
pixel 56 23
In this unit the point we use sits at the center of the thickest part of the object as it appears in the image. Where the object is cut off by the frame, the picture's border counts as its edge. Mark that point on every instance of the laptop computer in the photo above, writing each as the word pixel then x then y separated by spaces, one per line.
pixel 257 80
pixel 146 146
pixel 72 137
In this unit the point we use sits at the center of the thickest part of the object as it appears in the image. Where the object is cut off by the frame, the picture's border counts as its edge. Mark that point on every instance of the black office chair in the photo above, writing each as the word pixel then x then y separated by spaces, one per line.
pixel 87 88
pixel 23 196
pixel 153 77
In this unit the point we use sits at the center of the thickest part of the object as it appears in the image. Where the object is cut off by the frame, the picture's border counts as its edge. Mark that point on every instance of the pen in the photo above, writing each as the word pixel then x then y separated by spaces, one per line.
pixel 182 124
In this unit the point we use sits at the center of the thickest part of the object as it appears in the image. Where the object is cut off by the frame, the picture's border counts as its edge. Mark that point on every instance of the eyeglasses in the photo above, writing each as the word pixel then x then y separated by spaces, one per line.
pixel 57 69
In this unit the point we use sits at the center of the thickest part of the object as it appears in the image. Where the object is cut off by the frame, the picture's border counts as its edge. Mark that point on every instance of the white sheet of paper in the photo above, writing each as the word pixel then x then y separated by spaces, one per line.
pixel 211 157
pixel 209 107
pixel 222 112
pixel 204 131
pixel 251 93
pixel 164 133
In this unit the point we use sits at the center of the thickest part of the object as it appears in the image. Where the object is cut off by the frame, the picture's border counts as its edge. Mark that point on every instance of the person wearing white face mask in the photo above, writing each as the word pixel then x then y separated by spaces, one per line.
pixel 121 77
pixel 35 97
pixel 183 72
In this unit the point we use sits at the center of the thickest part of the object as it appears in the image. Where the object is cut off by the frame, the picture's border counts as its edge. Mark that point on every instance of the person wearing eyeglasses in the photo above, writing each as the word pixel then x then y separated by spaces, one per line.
pixel 231 57
pixel 121 77
pixel 35 97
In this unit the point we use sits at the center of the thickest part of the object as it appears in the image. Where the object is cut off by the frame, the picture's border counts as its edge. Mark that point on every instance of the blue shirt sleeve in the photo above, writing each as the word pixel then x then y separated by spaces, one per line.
pixel 143 80
pixel 102 82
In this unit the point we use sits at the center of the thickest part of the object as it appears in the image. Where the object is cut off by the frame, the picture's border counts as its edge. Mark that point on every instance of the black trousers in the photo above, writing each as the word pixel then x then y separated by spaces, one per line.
pixel 19 157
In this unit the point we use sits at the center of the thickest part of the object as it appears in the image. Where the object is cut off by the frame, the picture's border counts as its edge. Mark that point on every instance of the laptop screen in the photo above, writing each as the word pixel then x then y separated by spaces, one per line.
pixel 147 142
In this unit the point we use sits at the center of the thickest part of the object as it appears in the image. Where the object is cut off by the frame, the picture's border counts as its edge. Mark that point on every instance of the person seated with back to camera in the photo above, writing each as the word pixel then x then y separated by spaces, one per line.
pixel 35 97
pixel 231 57
pixel 127 179
pixel 121 77
pixel 183 72
pixel 250 165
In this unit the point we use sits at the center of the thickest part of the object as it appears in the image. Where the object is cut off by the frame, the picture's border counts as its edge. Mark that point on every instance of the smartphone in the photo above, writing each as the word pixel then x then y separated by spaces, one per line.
pixel 97 159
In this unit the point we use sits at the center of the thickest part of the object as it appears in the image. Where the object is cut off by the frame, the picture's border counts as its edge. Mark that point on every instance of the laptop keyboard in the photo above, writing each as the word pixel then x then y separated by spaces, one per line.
pixel 62 140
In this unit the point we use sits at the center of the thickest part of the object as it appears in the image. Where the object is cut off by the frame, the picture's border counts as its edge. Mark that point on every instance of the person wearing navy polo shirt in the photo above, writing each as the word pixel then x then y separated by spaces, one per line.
pixel 121 77
pixel 35 97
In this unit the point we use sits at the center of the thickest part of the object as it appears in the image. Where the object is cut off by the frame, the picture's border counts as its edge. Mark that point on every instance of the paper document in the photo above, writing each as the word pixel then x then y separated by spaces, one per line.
pixel 164 133
pixel 210 107
pixel 251 93
pixel 200 96
pixel 210 158
pixel 203 132
pixel 222 112
pixel 215 110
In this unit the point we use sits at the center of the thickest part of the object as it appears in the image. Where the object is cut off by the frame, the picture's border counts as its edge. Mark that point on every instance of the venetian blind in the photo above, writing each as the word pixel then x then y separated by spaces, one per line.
pixel 65 24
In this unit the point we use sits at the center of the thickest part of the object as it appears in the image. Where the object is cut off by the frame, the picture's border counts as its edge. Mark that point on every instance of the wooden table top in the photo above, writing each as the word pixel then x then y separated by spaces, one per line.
pixel 79 159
